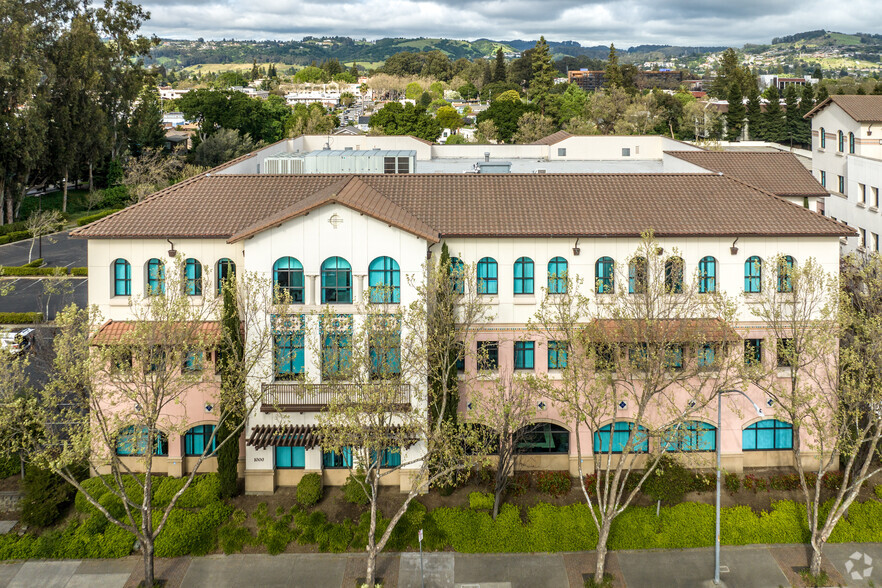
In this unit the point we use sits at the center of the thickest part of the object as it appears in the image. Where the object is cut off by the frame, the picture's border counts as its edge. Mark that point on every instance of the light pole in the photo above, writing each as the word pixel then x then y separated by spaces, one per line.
pixel 759 411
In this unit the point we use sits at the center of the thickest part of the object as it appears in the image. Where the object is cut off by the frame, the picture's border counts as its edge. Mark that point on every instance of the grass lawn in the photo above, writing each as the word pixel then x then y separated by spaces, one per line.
pixel 76 202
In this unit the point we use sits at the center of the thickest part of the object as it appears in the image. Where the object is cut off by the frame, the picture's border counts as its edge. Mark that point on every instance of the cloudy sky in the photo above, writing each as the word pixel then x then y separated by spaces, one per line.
pixel 624 22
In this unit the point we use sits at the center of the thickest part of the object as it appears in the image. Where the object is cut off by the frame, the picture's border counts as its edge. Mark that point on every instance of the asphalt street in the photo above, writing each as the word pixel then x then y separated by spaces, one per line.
pixel 64 252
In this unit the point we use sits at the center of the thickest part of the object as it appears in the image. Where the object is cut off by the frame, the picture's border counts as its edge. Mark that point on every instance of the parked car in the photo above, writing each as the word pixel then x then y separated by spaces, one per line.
pixel 17 343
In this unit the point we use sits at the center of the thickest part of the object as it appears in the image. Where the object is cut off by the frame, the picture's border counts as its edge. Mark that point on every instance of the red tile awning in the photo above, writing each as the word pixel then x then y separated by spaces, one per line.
pixel 113 332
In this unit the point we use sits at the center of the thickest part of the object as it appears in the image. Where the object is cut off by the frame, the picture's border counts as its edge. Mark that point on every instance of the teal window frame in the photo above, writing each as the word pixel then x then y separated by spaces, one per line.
pixel 336 460
pixel 337 349
pixel 767 435
pixel 523 275
pixel 385 355
pixel 621 432
pixel 336 281
pixel 457 269
pixel 604 276
pixel 226 269
pixel 288 278
pixel 841 142
pixel 851 143
pixel 130 443
pixel 707 354
pixel 491 361
pixel 823 179
pixel 753 275
pixel 193 361
pixel 690 437
pixel 707 275
pixel 192 277
pixel 674 357
pixel 155 277
pixel 823 138
pixel 290 458
pixel 488 277
pixel 542 438
pixel 753 352
pixel 289 354
pixel 841 184
pixel 557 355
pixel 674 275
pixel 198 438
pixel 557 275
pixel 384 280
pixel 637 275
pixel 122 277
pixel 390 457
pixel 785 274
pixel 524 355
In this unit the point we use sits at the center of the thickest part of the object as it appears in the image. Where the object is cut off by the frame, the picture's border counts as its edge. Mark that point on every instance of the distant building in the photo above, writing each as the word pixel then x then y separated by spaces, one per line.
pixel 169 93
pixel 588 80
pixel 591 80
pixel 768 80
pixel 253 92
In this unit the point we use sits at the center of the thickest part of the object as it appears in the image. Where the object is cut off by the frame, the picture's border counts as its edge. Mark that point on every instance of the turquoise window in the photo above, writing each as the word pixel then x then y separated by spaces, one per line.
pixel 288 279
pixel 457 270
pixel 851 142
pixel 706 355
pixel 192 277
pixel 823 134
pixel 130 442
pixel 198 439
pixel 525 355
pixel 389 457
pixel 337 459
pixel 488 276
pixel 544 438
pixel 336 281
pixel 155 277
pixel 557 355
pixel 290 356
pixel 621 432
pixel 674 357
pixel 674 275
pixel 557 275
pixel 290 458
pixel 691 436
pixel 637 275
pixel 707 275
pixel 226 270
pixel 384 279
pixel 753 275
pixel 767 435
pixel 122 278
pixel 336 350
pixel 523 276
pixel 823 178
pixel 841 141
pixel 603 275
pixel 385 353
pixel 193 361
pixel 785 274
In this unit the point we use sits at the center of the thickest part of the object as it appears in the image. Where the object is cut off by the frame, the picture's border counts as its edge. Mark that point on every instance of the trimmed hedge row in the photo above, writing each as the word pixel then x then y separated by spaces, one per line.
pixel 93 217
pixel 25 270
pixel 14 236
pixel 20 318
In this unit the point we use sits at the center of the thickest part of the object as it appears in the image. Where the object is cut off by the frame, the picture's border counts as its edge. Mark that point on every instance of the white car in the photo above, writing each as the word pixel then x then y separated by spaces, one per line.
pixel 17 343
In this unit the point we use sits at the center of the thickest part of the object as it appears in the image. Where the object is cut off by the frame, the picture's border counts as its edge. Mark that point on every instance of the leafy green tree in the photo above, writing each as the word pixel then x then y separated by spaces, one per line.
pixel 311 75
pixel 436 65
pixel 520 72
pixel 500 74
pixel 425 100
pixel 395 119
pixel 468 91
pixel 448 118
pixel 543 75
pixel 145 128
pixel 532 126
pixel 413 91
pixel 505 115
pixel 730 71
pixel 736 113
pixel 572 103
pixel 613 73
pixel 495 89
pixel 755 121
pixel 310 120
pixel 670 113
pixel 221 147
pixel 775 126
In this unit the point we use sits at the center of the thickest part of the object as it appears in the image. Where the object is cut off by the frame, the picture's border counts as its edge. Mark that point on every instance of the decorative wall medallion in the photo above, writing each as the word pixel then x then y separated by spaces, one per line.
pixel 336 220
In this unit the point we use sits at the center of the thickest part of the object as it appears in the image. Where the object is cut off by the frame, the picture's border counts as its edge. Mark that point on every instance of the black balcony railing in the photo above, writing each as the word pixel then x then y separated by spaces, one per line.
pixel 302 397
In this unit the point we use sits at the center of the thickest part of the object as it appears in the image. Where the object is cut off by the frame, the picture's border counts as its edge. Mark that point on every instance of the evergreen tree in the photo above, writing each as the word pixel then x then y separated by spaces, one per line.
pixel 255 73
pixel 736 113
pixel 818 74
pixel 613 73
pixel 823 94
pixel 729 71
pixel 754 115
pixel 499 71
pixel 543 75
pixel 792 113
pixel 145 129
pixel 487 74
pixel 353 71
pixel 774 127
pixel 806 103
pixel 861 91
pixel 233 383
pixel 445 310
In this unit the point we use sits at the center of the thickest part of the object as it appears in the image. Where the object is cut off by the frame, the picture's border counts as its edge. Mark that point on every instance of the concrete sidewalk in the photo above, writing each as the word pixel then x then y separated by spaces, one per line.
pixel 750 566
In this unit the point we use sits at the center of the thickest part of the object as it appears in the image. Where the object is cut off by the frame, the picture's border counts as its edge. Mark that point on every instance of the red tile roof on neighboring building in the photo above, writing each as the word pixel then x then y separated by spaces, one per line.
pixel 117 331
pixel 861 108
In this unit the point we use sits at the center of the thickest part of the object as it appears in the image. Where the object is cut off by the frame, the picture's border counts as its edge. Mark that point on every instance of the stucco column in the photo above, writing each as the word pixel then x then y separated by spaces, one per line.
pixel 175 456
pixel 359 289
pixel 310 290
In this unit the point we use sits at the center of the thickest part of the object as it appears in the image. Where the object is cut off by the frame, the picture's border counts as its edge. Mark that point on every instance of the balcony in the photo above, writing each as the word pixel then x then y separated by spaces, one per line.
pixel 302 397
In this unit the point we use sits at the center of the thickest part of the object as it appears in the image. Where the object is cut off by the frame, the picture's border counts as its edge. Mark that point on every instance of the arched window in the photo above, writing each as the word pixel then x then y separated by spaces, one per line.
pixel 155 277
pixel 192 277
pixel 785 274
pixel 753 275
pixel 707 275
pixel 488 276
pixel 523 276
pixel 122 278
pixel 637 275
pixel 770 434
pixel 604 281
pixel 674 275
pixel 198 439
pixel 336 281
pixel 621 432
pixel 130 441
pixel 841 141
pixel 544 438
pixel 457 269
pixel 557 275
pixel 691 436
pixel 288 278
pixel 226 270
pixel 851 142
pixel 823 134
pixel 384 279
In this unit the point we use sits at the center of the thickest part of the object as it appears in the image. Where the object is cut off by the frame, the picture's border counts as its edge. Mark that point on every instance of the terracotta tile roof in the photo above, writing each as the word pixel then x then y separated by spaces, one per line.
pixel 776 172
pixel 661 331
pixel 553 138
pixel 485 205
pixel 861 108
pixel 116 331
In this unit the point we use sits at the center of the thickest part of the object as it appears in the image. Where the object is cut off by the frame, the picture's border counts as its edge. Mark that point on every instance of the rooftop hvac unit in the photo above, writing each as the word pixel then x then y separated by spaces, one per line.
pixel 283 165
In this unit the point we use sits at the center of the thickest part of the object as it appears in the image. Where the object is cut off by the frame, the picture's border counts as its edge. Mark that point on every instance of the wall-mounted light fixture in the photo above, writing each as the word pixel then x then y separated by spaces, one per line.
pixel 734 249
pixel 576 249
pixel 171 252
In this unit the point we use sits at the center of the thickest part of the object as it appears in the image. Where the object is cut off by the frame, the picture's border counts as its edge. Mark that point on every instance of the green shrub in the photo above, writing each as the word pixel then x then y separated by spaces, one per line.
pixel 554 483
pixel 668 482
pixel 878 491
pixel 481 501
pixel 116 197
pixel 755 483
pixel 20 318
pixel 309 490
pixel 97 216
pixel 832 481
pixel 273 533
pixel 202 492
pixel 46 496
pixel 191 532
pixel 703 481
pixel 14 236
pixel 13 228
pixel 784 481
pixel 732 483
pixel 10 465
pixel 33 271
pixel 353 490
pixel 36 263
pixel 79 271
pixel 519 484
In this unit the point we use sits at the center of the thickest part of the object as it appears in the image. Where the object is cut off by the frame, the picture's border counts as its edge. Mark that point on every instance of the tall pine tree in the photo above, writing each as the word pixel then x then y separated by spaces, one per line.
pixel 736 113
pixel 775 127
pixel 754 115
pixel 792 114
pixel 613 72
pixel 499 71
pixel 543 75
pixel 806 103
pixel 232 405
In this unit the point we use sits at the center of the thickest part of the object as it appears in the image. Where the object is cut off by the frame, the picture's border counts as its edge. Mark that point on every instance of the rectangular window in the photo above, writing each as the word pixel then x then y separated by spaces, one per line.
pixel 626 152
pixel 768 435
pixel 604 358
pixel 488 355
pixel 290 355
pixel 875 242
pixel 561 151
pixel 290 458
pixel 336 350
pixel 389 458
pixel 156 360
pixel 403 165
pixel 785 352
pixel 823 178
pixel 385 352
pixel 193 362
pixel 337 459
pixel 753 351
pixel 863 237
pixel 706 355
pixel 876 197
pixel 674 357
pixel 525 352
pixel 842 184
pixel 863 193
pixel 557 355
pixel 388 165
pixel 638 355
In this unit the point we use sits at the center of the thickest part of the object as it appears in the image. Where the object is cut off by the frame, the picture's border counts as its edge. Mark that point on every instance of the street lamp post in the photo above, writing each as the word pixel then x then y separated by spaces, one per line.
pixel 759 411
